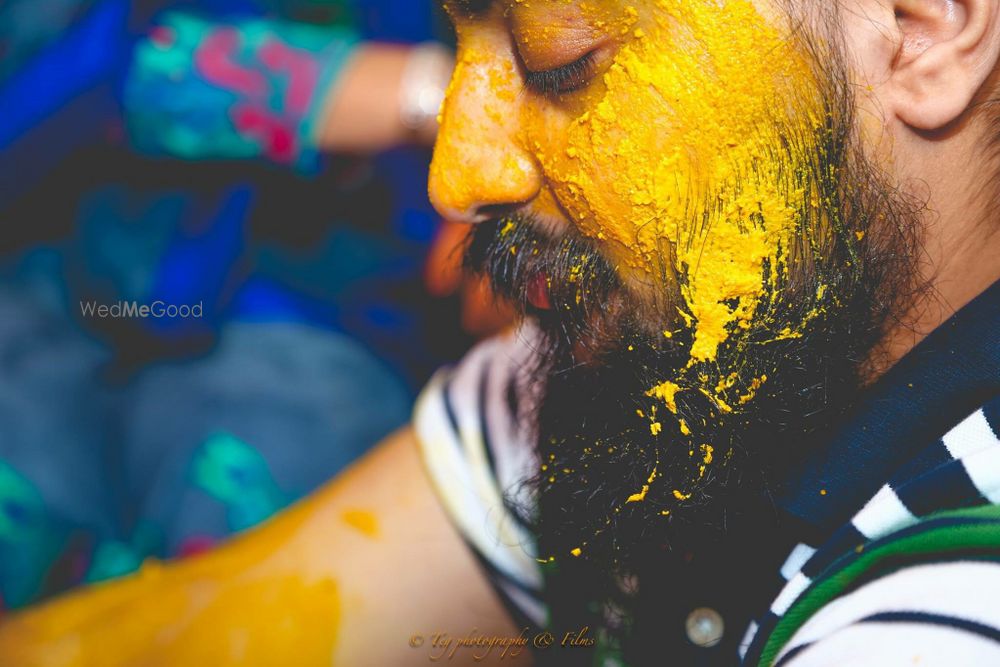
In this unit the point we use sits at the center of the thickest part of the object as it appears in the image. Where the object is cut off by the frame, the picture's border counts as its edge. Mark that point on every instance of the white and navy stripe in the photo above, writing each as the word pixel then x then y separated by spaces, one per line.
pixel 964 472
pixel 477 453
pixel 887 460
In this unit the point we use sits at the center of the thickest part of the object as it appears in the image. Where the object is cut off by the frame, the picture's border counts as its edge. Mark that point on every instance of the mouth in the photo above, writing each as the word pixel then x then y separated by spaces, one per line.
pixel 537 292
pixel 562 279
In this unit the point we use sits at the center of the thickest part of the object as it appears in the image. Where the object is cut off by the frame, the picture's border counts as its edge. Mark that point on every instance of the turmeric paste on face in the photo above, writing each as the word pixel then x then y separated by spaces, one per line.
pixel 687 159
pixel 674 159
pixel 677 165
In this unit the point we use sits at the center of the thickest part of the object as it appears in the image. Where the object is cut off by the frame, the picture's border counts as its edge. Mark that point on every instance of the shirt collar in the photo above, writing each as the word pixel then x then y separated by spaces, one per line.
pixel 949 375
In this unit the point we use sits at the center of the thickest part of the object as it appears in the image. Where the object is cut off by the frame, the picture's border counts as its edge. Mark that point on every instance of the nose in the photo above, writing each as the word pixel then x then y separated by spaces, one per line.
pixel 478 171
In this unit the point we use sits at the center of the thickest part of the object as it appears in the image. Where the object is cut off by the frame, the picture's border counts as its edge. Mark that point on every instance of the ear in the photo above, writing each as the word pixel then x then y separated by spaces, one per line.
pixel 946 51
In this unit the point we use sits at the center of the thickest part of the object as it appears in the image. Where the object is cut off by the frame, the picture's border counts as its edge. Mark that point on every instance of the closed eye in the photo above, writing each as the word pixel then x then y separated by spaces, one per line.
pixel 563 79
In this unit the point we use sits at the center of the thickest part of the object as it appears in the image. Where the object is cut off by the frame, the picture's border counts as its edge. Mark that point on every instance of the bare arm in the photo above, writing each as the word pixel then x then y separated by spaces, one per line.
pixel 345 577
pixel 363 109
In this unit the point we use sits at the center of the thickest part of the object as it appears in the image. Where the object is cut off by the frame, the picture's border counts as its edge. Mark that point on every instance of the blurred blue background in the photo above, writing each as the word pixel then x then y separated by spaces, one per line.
pixel 123 438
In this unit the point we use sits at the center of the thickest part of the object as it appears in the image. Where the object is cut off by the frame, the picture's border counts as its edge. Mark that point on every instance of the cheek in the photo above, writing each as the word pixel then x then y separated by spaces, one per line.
pixel 597 164
pixel 613 168
pixel 594 150
pixel 683 161
pixel 593 171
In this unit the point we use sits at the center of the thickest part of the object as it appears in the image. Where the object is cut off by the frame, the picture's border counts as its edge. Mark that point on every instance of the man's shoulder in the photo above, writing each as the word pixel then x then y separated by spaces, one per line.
pixel 480 408
pixel 926 588
pixel 937 525
pixel 477 451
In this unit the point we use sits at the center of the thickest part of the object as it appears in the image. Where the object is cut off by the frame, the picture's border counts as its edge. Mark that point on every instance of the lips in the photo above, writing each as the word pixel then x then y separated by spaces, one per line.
pixel 538 291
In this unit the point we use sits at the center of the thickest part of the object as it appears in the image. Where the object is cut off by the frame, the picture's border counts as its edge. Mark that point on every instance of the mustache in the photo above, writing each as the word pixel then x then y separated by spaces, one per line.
pixel 520 257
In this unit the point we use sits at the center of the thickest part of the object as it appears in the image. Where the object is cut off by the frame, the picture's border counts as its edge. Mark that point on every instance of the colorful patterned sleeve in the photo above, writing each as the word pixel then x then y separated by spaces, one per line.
pixel 246 89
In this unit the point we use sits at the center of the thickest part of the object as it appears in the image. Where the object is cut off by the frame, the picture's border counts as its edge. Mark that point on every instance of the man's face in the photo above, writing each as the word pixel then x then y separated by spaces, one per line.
pixel 674 190
pixel 659 129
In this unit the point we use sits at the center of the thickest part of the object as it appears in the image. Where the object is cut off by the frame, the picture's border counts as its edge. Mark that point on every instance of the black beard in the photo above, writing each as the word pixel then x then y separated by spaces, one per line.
pixel 599 356
pixel 850 271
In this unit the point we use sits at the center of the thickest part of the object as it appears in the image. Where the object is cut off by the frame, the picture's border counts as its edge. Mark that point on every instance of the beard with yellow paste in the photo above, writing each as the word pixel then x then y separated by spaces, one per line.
pixel 734 260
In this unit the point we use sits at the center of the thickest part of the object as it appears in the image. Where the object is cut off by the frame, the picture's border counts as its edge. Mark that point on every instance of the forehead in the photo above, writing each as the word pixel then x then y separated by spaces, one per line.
pixel 604 14
pixel 553 25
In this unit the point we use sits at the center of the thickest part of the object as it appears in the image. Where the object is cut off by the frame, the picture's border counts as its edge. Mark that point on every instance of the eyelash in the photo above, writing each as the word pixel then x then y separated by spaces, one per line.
pixel 563 79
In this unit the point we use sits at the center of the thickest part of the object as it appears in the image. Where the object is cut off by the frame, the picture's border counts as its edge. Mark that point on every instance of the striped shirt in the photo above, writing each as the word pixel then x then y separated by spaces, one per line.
pixel 925 439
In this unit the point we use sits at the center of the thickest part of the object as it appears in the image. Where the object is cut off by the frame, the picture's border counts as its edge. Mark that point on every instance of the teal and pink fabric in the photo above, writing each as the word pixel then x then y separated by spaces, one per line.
pixel 201 89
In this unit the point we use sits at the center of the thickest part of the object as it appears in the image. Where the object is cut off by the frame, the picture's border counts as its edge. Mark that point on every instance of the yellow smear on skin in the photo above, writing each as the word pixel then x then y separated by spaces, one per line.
pixel 362 521
pixel 277 594
pixel 675 160
pixel 248 603
pixel 458 189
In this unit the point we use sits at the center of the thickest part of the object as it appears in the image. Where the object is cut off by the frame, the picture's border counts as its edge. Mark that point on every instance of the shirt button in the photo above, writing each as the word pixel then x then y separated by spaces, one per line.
pixel 704 627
